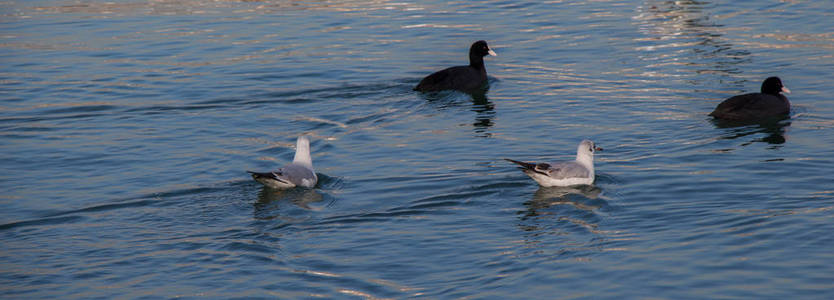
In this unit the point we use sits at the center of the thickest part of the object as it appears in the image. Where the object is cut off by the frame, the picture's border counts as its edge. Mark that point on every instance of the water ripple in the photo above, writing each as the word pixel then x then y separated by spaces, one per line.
pixel 127 128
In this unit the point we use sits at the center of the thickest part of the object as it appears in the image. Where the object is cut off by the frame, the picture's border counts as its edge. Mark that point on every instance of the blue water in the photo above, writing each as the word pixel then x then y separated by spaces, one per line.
pixel 126 128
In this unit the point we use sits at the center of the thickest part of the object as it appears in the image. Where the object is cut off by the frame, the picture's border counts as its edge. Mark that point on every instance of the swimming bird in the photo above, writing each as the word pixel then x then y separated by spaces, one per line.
pixel 754 106
pixel 564 173
pixel 468 79
pixel 297 173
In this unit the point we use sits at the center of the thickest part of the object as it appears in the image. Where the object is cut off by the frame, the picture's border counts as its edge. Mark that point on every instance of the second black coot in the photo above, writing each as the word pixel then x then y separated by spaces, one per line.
pixel 756 106
pixel 468 79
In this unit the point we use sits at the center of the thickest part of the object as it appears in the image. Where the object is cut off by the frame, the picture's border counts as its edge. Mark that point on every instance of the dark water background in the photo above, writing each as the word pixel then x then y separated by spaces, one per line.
pixel 126 128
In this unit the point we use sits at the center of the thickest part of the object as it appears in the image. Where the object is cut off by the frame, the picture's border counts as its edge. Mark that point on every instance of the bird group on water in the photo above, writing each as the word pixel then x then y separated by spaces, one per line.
pixel 768 104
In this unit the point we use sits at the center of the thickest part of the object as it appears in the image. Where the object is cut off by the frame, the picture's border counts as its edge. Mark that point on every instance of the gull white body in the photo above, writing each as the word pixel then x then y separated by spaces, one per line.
pixel 298 173
pixel 564 173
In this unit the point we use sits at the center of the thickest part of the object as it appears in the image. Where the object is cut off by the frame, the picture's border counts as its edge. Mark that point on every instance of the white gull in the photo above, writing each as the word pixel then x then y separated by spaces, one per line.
pixel 297 173
pixel 564 173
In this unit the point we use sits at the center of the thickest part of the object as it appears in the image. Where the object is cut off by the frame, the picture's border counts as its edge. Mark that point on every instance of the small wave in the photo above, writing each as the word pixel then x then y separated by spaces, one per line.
pixel 42 221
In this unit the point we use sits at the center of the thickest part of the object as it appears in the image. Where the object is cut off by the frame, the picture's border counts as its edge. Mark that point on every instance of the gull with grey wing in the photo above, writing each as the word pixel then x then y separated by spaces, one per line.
pixel 297 173
pixel 564 173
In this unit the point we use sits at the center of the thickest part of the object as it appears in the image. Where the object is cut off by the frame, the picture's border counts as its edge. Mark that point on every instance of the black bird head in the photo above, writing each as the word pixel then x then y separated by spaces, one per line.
pixel 480 49
pixel 773 85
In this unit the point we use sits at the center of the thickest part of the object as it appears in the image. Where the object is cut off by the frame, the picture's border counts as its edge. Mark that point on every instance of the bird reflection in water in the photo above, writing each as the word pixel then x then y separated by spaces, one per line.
pixel 484 108
pixel 580 197
pixel 564 220
pixel 484 114
pixel 272 203
pixel 773 130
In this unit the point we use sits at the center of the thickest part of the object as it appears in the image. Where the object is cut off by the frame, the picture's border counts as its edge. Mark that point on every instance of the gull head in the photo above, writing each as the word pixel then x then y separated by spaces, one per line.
pixel 302 152
pixel 302 142
pixel 586 150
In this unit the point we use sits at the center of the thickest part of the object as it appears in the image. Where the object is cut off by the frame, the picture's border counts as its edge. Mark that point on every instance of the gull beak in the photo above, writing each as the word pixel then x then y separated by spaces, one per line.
pixel 491 53
pixel 786 90
pixel 597 148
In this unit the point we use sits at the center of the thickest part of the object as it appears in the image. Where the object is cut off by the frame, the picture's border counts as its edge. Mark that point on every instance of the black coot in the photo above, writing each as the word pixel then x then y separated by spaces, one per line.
pixel 468 79
pixel 756 106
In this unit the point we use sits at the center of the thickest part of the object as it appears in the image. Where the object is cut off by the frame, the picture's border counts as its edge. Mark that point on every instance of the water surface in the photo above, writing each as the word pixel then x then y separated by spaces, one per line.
pixel 127 127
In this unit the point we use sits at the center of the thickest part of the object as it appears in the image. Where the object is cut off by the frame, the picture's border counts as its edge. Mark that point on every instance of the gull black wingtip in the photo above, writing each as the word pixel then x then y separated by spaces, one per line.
pixel 522 164
pixel 257 175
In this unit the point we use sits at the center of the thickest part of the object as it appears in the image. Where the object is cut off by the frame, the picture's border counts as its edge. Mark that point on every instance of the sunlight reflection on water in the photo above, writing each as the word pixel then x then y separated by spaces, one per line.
pixel 127 127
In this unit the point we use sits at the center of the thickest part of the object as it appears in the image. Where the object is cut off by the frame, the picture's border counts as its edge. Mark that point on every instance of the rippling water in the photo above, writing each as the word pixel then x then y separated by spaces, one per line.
pixel 127 127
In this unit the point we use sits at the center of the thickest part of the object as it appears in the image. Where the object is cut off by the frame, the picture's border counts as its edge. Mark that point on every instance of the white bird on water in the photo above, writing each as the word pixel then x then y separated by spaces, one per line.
pixel 297 173
pixel 564 173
